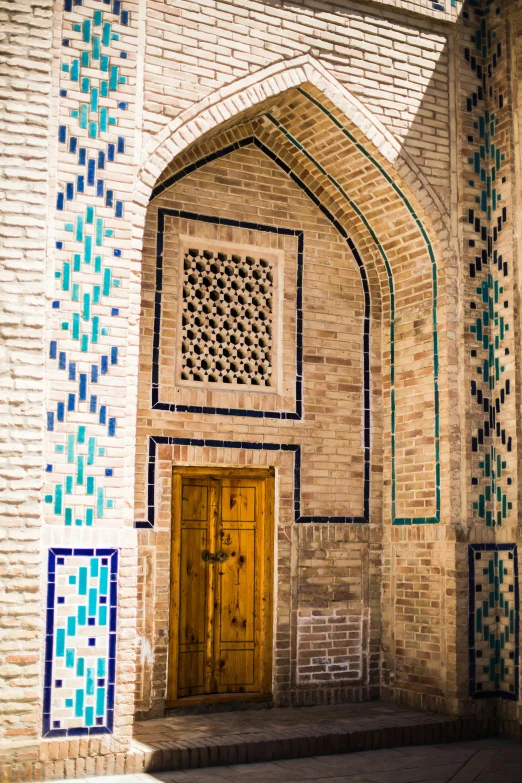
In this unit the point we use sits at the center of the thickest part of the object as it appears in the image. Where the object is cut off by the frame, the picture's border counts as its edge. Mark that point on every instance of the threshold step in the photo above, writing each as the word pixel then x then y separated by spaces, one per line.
pixel 242 737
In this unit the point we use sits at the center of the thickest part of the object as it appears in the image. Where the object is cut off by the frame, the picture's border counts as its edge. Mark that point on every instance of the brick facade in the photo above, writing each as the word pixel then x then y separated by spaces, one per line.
pixel 24 186
pixel 370 157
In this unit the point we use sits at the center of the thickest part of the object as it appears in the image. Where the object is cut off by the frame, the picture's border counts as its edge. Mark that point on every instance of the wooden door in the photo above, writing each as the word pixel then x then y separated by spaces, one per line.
pixel 221 596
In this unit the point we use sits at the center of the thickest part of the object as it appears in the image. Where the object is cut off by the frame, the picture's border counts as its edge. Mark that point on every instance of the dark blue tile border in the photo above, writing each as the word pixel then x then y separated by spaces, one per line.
pixel 472 550
pixel 154 440
pixel 298 413
pixel 54 553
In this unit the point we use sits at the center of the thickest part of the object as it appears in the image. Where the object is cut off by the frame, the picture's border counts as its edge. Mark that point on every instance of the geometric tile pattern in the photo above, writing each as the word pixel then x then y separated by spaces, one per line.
pixel 227 318
pixel 489 276
pixel 80 650
pixel 493 620
pixel 83 351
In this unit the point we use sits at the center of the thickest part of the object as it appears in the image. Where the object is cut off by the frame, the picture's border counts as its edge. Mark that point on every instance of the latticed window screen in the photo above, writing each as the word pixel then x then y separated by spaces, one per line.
pixel 227 318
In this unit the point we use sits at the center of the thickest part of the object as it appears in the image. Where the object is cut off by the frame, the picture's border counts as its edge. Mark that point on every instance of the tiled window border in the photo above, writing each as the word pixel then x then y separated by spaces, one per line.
pixel 472 549
pixel 50 641
pixel 155 440
pixel 157 404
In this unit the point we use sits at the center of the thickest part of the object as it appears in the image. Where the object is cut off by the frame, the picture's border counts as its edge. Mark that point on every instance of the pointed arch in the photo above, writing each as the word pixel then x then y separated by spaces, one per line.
pixel 421 211
pixel 252 91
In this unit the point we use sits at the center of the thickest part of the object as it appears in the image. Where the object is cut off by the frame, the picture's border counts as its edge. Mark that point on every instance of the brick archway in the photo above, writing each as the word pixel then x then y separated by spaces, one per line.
pixel 355 186
pixel 361 145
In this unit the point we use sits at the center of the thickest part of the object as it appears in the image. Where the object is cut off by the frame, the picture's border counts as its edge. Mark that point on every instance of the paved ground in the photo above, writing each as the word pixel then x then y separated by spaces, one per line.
pixel 251 725
pixel 261 735
pixel 480 761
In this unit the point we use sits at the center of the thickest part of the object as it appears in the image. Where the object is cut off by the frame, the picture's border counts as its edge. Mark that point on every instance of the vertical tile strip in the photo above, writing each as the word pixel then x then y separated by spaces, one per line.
pixel 489 289
pixel 94 172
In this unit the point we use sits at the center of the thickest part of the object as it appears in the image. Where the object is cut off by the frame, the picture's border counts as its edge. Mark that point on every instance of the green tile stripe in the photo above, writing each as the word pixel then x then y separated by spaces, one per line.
pixel 396 520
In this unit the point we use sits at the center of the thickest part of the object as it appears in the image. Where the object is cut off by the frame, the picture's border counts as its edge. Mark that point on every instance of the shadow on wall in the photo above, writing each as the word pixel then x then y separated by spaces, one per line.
pixel 413 98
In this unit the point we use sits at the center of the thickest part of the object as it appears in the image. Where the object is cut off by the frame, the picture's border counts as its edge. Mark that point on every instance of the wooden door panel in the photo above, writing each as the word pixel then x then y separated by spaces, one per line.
pixel 191 672
pixel 238 502
pixel 221 606
pixel 194 503
pixel 194 588
pixel 238 614
pixel 236 671
pixel 236 585
pixel 192 610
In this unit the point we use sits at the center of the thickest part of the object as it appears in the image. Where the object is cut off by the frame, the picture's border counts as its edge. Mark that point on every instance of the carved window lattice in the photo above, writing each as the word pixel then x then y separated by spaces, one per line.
pixel 227 318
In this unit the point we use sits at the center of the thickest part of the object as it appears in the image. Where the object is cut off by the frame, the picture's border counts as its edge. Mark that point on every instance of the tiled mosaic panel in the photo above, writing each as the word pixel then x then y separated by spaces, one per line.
pixel 85 344
pixel 489 288
pixel 494 620
pixel 227 318
pixel 80 660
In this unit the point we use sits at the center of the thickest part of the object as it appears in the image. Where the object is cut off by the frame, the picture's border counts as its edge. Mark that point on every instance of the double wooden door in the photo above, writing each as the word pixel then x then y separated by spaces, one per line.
pixel 221 590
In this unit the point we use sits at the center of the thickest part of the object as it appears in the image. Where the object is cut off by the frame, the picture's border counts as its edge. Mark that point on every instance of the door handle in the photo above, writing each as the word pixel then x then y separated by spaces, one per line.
pixel 219 557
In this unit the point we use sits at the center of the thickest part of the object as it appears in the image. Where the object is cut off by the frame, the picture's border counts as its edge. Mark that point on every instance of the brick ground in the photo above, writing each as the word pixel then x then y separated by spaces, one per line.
pixel 482 761
pixel 223 739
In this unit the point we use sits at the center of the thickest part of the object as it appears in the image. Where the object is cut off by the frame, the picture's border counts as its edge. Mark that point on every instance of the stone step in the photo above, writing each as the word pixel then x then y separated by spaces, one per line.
pixel 190 742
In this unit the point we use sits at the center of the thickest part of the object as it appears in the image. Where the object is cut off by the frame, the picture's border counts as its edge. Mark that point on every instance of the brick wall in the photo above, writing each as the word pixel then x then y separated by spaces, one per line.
pixel 397 173
pixel 398 69
pixel 245 185
pixel 332 607
pixel 25 67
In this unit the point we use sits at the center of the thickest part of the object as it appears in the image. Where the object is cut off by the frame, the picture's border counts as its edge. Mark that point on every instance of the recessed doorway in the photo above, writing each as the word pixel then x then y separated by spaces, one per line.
pixel 220 647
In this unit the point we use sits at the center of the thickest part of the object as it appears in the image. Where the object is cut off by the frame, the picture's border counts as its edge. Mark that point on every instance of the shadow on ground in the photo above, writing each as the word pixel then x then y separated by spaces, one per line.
pixel 479 761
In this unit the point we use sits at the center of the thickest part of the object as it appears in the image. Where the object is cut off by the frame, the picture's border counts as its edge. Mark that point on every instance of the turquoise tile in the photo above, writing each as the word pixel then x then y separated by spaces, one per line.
pixel 82 584
pixel 60 642
pixel 100 701
pixel 93 601
pixel 79 703
pixel 89 716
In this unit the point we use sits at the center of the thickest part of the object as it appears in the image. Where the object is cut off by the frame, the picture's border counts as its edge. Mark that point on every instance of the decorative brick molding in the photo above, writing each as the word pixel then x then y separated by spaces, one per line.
pixel 254 90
